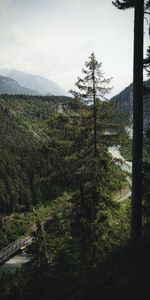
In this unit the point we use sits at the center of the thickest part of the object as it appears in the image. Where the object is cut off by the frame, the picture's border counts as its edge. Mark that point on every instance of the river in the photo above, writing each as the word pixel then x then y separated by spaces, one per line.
pixel 14 263
pixel 124 165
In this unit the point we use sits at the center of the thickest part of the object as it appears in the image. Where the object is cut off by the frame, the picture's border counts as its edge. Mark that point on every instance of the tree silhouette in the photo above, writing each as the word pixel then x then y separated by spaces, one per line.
pixel 136 211
pixel 124 4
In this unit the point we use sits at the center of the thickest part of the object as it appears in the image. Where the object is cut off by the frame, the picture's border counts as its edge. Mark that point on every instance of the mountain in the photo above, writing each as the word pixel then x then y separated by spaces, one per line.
pixel 124 102
pixel 40 84
pixel 10 86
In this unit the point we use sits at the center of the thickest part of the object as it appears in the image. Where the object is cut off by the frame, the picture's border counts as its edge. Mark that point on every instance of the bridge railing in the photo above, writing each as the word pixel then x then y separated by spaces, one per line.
pixel 7 252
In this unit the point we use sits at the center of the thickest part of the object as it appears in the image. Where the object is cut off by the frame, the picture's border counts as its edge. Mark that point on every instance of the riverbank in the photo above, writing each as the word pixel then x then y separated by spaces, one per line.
pixel 14 263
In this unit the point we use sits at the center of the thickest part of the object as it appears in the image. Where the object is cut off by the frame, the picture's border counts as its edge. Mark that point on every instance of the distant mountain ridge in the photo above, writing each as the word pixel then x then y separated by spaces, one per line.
pixel 10 86
pixel 41 85
pixel 124 102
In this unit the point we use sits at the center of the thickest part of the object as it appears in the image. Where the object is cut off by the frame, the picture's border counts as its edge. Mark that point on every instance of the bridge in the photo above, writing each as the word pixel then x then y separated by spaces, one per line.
pixel 10 250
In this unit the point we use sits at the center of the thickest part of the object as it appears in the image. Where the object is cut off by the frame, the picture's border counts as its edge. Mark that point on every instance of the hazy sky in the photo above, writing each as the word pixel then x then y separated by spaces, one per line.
pixel 54 38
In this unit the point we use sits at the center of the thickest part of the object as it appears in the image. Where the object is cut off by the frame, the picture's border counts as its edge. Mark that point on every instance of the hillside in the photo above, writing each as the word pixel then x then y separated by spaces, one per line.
pixel 25 162
pixel 41 85
pixel 124 102
pixel 10 86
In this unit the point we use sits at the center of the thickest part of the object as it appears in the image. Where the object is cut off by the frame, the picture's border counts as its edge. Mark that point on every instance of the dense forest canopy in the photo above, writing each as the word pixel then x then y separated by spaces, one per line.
pixel 25 161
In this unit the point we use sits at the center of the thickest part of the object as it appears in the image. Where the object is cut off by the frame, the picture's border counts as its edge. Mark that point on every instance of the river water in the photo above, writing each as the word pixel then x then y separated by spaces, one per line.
pixel 14 263
pixel 124 165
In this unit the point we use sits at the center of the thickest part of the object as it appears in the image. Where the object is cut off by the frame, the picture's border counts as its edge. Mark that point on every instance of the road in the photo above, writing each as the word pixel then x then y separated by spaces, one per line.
pixel 126 166
pixel 127 195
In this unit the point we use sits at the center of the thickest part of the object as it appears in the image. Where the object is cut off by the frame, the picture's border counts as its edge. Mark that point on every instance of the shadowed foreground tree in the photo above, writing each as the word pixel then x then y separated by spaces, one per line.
pixel 136 212
pixel 136 215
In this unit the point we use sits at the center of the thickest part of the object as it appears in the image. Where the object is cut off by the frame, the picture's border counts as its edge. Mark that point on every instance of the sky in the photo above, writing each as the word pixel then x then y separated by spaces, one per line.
pixel 54 38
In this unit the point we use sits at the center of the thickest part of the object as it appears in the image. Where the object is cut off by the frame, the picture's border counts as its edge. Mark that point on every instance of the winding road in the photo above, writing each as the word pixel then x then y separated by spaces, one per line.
pixel 126 166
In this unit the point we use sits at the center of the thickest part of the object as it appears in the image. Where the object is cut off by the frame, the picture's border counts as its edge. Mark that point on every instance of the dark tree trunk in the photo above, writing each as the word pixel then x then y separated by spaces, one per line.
pixel 95 115
pixel 93 211
pixel 136 211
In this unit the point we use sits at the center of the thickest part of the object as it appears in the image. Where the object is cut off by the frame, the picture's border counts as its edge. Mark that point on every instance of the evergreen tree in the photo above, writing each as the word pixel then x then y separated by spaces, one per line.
pixel 40 256
pixel 92 89
pixel 93 127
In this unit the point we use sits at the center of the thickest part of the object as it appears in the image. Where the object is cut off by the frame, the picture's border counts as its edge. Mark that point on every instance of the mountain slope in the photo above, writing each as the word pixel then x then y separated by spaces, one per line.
pixel 26 163
pixel 10 86
pixel 124 102
pixel 43 85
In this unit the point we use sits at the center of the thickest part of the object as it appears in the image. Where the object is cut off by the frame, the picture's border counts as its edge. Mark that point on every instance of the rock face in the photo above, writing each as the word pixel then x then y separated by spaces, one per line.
pixel 42 85
pixel 124 102
pixel 10 86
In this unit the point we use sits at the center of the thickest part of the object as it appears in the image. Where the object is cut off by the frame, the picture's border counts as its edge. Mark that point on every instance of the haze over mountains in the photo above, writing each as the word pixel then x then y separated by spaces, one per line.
pixel 31 84
pixel 11 87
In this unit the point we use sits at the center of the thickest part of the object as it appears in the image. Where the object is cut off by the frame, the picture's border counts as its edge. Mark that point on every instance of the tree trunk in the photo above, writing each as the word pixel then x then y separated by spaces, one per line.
pixel 136 210
pixel 95 116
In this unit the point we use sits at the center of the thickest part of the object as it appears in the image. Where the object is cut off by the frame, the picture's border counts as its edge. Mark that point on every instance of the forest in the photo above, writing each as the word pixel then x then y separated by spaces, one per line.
pixel 60 184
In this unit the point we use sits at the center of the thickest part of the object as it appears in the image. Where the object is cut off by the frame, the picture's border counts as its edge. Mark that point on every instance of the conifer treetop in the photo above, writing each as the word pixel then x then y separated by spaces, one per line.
pixel 125 4
pixel 93 81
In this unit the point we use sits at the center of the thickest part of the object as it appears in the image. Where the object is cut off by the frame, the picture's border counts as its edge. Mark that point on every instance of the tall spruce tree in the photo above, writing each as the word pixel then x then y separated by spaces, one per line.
pixel 92 89
pixel 79 138
pixel 136 213
pixel 94 127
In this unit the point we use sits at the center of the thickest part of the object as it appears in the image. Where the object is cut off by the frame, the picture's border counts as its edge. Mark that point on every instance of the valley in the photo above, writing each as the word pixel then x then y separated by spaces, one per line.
pixel 65 192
